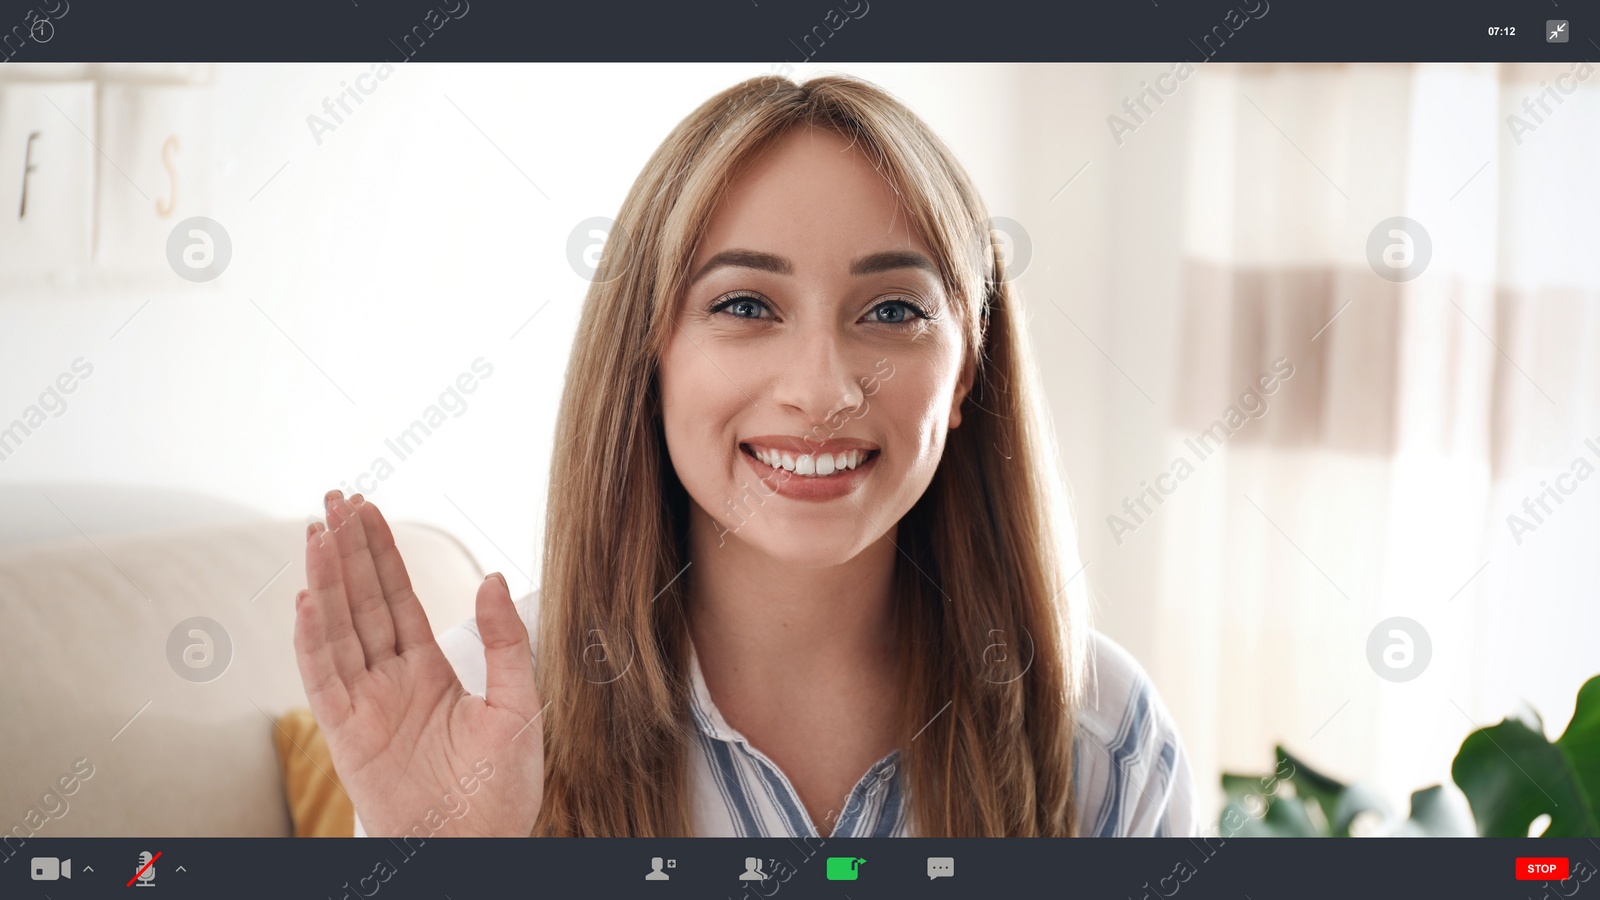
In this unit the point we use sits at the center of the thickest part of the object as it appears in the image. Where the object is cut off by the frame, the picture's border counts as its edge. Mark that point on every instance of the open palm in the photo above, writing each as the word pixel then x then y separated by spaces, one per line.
pixel 416 752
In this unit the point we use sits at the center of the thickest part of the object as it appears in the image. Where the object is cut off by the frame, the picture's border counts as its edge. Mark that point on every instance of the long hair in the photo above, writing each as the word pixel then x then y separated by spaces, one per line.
pixel 993 628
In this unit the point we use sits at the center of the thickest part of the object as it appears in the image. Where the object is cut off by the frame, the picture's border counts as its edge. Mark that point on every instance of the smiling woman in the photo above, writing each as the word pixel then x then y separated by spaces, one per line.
pixel 802 506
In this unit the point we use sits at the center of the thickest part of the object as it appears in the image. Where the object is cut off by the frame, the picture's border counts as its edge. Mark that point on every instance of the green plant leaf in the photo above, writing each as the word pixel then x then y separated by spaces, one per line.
pixel 1512 774
pixel 1432 815
pixel 1310 787
pixel 1300 803
pixel 1284 817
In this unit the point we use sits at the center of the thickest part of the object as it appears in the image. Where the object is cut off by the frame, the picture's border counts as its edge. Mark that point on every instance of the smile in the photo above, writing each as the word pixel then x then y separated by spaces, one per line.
pixel 810 465
pixel 804 468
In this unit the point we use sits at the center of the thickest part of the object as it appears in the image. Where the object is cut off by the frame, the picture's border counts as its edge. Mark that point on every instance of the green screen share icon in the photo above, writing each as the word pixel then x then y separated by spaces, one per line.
pixel 844 868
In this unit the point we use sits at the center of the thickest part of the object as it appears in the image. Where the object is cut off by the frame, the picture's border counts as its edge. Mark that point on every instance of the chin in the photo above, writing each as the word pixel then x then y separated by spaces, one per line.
pixel 817 544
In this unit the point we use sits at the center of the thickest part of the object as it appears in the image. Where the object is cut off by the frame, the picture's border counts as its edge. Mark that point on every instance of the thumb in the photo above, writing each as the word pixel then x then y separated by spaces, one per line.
pixel 507 655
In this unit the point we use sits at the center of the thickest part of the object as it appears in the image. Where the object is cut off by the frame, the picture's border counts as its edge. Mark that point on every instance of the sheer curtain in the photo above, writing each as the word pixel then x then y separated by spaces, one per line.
pixel 1377 478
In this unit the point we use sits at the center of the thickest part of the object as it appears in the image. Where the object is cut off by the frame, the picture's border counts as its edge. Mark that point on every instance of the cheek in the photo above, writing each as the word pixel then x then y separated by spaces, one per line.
pixel 913 407
pixel 698 403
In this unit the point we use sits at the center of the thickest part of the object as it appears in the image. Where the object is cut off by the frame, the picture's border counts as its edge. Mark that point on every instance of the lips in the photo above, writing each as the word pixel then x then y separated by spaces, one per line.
pixel 809 458
pixel 808 469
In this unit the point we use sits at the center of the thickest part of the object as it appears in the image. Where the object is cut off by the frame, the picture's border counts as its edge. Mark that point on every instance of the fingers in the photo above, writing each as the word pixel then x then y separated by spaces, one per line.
pixel 332 610
pixel 369 611
pixel 411 628
pixel 330 700
pixel 508 657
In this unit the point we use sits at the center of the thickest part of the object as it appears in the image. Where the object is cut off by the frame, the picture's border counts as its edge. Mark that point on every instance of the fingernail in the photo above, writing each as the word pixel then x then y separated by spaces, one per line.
pixel 357 499
pixel 501 579
pixel 310 530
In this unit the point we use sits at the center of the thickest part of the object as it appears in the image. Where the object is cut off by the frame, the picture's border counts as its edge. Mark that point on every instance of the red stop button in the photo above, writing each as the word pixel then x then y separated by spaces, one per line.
pixel 1541 868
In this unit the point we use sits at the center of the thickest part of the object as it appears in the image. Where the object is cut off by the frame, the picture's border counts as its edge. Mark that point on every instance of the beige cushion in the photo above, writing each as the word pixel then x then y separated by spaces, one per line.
pixel 84 629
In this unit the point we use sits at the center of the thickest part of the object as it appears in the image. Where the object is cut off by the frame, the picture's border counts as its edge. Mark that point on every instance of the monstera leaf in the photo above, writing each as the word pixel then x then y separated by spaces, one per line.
pixel 1512 775
pixel 1433 816
pixel 1299 801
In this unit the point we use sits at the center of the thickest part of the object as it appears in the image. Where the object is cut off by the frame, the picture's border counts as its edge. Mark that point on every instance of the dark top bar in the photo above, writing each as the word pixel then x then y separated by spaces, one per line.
pixel 772 31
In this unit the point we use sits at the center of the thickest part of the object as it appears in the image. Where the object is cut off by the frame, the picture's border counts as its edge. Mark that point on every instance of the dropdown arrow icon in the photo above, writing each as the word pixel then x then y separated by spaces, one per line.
pixel 180 869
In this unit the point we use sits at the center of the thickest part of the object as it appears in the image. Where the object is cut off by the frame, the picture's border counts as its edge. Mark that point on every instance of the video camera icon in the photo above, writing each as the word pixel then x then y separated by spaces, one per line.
pixel 50 868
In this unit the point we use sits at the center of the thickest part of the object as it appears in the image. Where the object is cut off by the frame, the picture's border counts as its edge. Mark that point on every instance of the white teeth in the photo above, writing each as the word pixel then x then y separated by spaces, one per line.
pixel 816 465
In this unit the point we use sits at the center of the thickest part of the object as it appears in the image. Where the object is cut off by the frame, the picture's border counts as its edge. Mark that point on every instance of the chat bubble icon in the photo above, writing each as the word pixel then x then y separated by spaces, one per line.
pixel 941 867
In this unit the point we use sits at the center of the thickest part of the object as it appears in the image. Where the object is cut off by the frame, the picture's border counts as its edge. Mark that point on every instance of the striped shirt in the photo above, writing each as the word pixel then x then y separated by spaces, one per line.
pixel 1131 776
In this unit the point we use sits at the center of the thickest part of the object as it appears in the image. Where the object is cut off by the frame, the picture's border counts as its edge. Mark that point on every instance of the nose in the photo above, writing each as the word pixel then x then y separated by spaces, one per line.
pixel 817 378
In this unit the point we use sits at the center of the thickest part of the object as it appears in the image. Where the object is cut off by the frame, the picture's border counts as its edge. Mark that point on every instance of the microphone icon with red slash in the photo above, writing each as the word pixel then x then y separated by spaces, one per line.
pixel 146 876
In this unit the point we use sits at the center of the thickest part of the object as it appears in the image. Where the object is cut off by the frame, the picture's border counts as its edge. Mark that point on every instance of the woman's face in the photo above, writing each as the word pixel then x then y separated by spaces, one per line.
pixel 815 365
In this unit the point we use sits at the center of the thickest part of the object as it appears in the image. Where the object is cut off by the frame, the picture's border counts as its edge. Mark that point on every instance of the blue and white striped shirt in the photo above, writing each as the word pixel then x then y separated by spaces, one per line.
pixel 1130 772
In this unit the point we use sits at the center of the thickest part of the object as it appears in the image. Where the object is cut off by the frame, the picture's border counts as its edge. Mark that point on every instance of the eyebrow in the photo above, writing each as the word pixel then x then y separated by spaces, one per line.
pixel 871 264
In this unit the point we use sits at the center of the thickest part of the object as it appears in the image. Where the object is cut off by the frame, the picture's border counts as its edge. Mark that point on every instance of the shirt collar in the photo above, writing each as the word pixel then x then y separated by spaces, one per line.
pixel 707 717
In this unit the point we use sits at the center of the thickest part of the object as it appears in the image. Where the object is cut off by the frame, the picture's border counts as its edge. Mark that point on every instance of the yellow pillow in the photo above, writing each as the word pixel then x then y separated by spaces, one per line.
pixel 317 802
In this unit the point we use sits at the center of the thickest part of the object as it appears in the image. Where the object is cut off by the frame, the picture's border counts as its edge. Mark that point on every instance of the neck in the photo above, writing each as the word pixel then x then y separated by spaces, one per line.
pixel 764 622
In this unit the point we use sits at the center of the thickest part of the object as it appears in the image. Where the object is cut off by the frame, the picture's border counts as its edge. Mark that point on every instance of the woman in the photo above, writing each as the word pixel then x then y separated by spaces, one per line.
pixel 799 529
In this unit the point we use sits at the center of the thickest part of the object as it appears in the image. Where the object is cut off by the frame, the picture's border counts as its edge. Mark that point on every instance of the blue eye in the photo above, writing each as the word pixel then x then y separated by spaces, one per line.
pixel 895 312
pixel 742 306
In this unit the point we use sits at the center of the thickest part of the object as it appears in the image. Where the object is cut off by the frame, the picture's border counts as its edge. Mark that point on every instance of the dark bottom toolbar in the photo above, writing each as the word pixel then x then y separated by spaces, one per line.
pixel 739 869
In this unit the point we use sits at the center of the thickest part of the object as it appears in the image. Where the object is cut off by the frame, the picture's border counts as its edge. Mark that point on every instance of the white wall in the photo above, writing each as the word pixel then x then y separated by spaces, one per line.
pixel 371 269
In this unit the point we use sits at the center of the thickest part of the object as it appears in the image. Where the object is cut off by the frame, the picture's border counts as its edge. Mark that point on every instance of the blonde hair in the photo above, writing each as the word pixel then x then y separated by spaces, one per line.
pixel 988 573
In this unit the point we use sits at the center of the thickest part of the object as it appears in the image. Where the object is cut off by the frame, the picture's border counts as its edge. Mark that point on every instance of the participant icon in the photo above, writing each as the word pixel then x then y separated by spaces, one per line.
pixel 752 870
